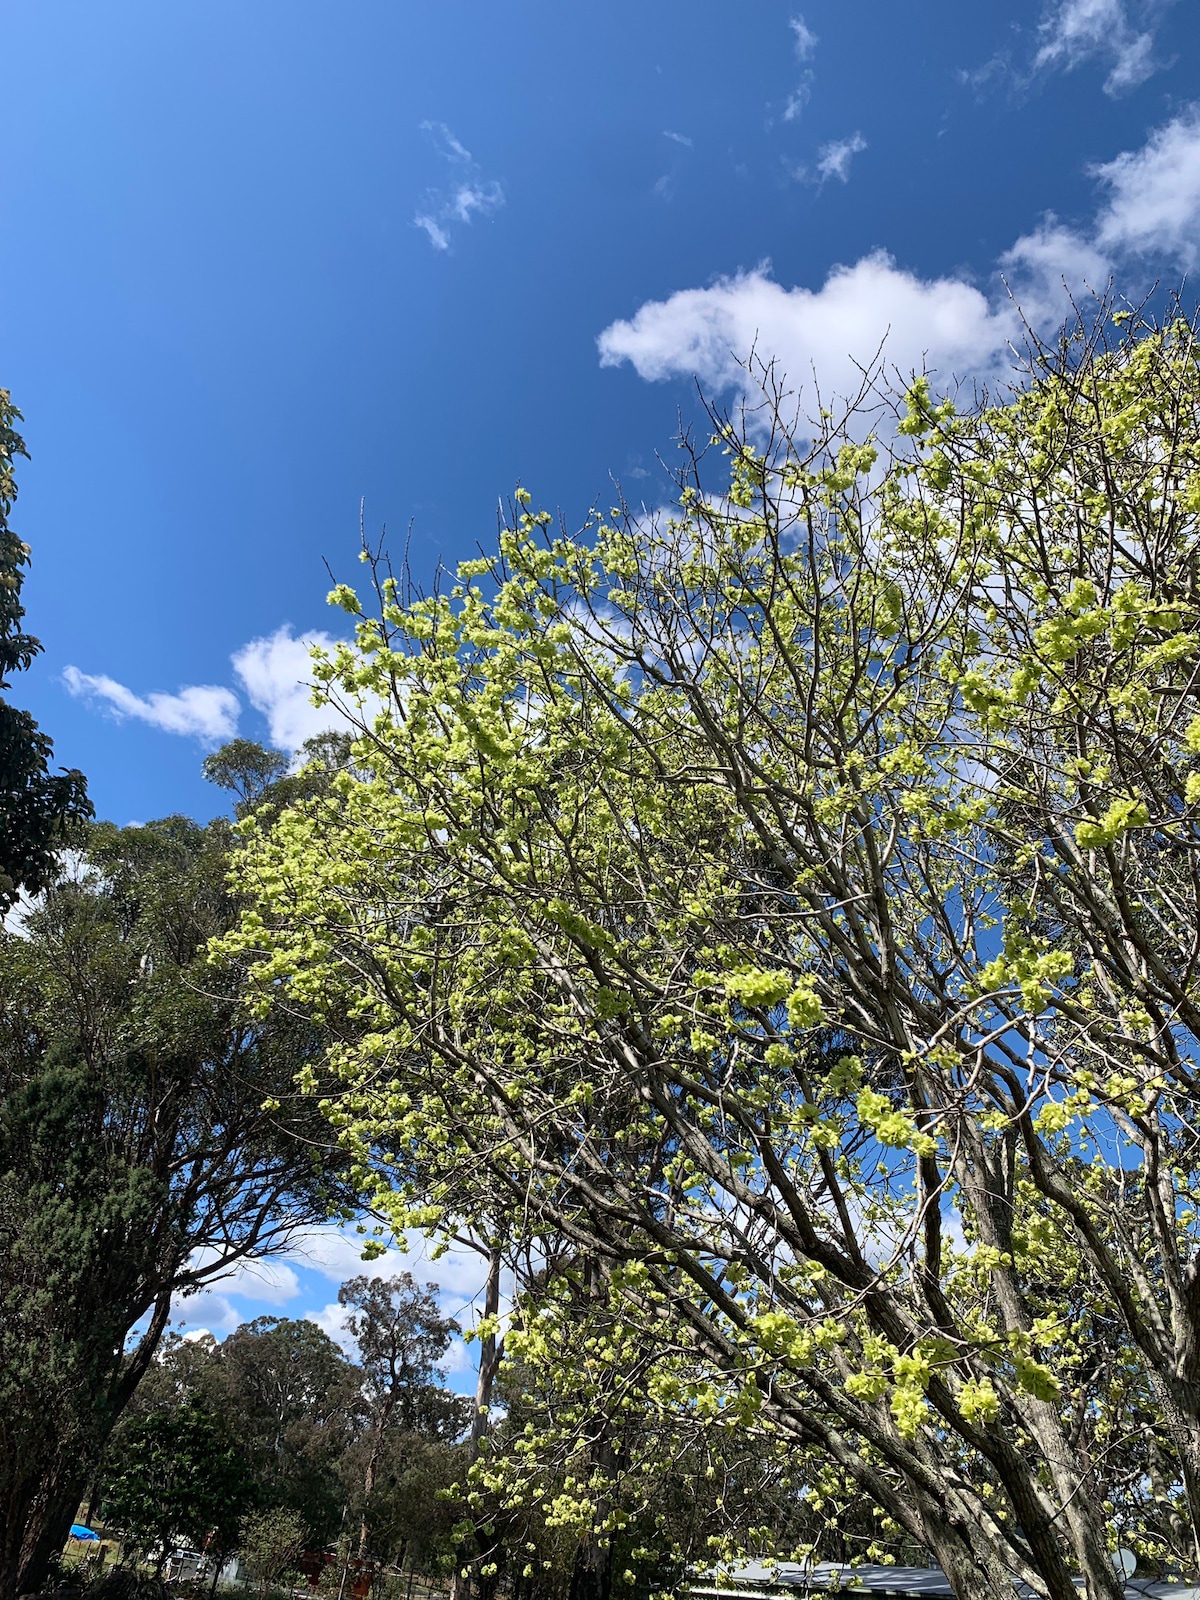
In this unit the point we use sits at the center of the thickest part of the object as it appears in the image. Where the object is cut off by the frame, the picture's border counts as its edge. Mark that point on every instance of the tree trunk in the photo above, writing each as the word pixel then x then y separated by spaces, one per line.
pixel 369 1477
pixel 591 1571
pixel 37 1520
pixel 460 1584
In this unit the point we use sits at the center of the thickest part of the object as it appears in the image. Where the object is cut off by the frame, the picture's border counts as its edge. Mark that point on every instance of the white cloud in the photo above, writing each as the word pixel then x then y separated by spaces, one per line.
pixel 331 1320
pixel 945 323
pixel 460 1275
pixel 276 673
pixel 438 237
pixel 1151 211
pixel 268 1282
pixel 1045 268
pixel 834 158
pixel 467 195
pixel 336 1253
pixel 201 711
pixel 205 1312
pixel 678 138
pixel 1153 205
pixel 1075 31
pixel 798 98
pixel 805 40
pixel 804 43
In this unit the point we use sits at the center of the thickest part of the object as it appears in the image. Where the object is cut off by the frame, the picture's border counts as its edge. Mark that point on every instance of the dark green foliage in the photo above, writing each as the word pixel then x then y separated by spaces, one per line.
pixel 246 769
pixel 150 1134
pixel 37 808
pixel 307 1422
pixel 272 1543
pixel 261 777
pixel 296 1403
pixel 180 1479
pixel 401 1336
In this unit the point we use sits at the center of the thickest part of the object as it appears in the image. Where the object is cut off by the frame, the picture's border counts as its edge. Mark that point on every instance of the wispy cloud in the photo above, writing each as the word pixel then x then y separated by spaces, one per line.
pixel 1117 34
pixel 667 183
pixel 466 196
pixel 804 44
pixel 275 672
pixel 805 38
pixel 202 711
pixel 1075 31
pixel 834 158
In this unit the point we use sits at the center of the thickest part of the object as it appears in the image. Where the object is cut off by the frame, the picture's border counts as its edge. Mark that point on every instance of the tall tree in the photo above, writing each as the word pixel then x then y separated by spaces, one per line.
pixel 297 1405
pixel 793 903
pixel 401 1335
pixel 150 1136
pixel 37 807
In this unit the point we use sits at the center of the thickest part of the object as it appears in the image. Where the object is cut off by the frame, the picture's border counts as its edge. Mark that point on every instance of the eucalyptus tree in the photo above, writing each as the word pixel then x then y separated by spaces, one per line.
pixel 792 904
pixel 150 1138
pixel 400 1335
pixel 295 1404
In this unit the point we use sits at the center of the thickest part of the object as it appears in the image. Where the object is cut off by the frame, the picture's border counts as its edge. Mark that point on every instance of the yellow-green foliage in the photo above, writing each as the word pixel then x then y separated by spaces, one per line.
pixel 789 903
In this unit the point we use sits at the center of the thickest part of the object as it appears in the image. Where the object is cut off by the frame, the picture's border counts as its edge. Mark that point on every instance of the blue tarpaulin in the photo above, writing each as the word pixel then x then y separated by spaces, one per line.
pixel 78 1531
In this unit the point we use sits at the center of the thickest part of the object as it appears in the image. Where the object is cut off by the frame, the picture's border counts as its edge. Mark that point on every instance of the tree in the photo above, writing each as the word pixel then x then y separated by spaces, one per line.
pixel 37 808
pixel 246 769
pixel 272 1543
pixel 791 904
pixel 285 1392
pixel 179 1475
pixel 149 1137
pixel 263 779
pixel 401 1335
pixel 297 1405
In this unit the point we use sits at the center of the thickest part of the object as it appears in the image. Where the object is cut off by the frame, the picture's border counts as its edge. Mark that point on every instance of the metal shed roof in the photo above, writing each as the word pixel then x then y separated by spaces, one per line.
pixel 751 1581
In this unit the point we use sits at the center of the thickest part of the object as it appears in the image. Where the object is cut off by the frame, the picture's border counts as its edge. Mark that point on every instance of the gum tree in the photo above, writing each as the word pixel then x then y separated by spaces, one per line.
pixel 150 1138
pixel 790 905
pixel 400 1336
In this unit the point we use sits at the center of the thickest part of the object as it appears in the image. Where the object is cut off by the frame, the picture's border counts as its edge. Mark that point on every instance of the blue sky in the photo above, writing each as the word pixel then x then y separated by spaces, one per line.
pixel 263 261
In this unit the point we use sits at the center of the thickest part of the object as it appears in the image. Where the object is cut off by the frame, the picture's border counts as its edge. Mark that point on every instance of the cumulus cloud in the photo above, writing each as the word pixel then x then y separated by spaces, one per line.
pixel 336 1253
pixel 202 711
pixel 206 1312
pixel 1153 205
pixel 276 673
pixel 466 195
pixel 1046 267
pixel 834 158
pixel 1075 31
pixel 460 1273
pixel 268 1282
pixel 1150 209
pixel 944 322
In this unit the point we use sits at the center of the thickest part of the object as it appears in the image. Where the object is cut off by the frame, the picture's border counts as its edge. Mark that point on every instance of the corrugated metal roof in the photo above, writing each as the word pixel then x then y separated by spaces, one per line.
pixel 750 1582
